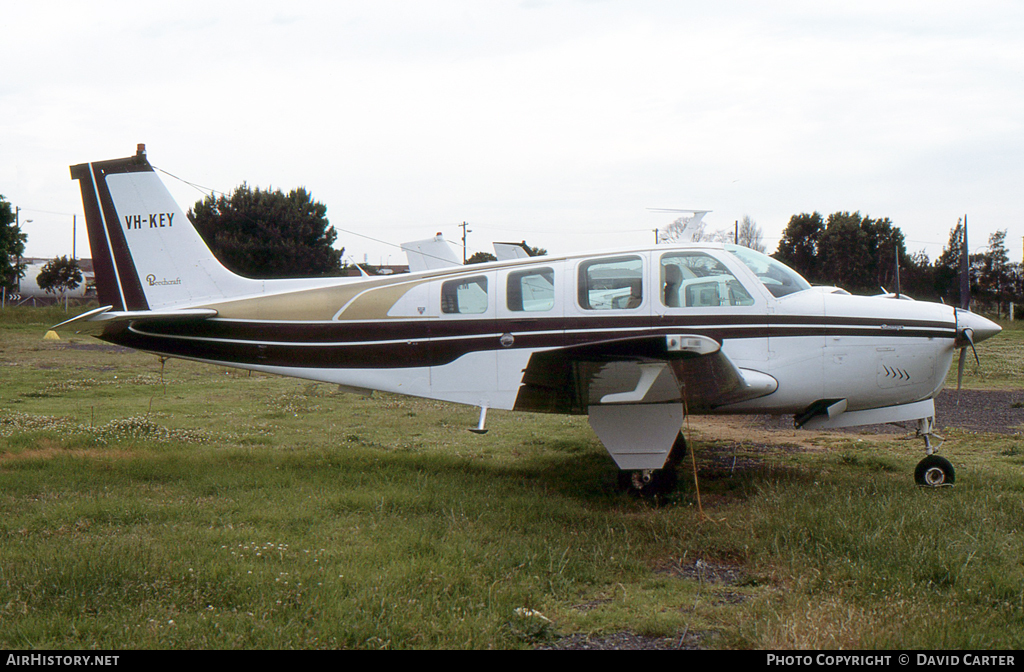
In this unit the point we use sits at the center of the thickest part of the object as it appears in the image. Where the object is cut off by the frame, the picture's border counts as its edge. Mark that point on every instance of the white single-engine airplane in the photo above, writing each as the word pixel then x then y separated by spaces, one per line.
pixel 634 338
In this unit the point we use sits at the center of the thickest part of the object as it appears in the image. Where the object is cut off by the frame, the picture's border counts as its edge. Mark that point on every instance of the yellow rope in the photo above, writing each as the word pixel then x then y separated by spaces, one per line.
pixel 693 463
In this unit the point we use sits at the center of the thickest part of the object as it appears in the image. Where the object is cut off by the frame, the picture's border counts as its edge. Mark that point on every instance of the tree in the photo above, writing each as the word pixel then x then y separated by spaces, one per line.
pixel 59 276
pixel 995 278
pixel 947 266
pixel 848 250
pixel 12 246
pixel 798 248
pixel 268 234
pixel 481 258
pixel 918 278
pixel 484 257
pixel 750 235
pixel 859 253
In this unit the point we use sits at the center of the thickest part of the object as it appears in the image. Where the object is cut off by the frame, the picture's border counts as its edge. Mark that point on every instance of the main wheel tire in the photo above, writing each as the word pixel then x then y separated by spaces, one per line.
pixel 648 483
pixel 934 471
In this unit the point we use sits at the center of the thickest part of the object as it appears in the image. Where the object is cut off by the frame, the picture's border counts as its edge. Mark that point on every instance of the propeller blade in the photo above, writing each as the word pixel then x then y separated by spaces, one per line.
pixel 963 339
pixel 960 373
pixel 969 335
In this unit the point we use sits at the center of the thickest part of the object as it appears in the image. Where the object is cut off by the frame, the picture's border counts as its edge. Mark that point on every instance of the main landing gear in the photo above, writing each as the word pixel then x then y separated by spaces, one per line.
pixel 934 470
pixel 645 442
pixel 651 483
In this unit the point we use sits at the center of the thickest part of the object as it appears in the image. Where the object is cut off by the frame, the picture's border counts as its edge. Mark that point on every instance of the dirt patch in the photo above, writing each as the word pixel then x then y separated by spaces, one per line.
pixel 703 571
pixel 590 606
pixel 626 641
pixel 95 347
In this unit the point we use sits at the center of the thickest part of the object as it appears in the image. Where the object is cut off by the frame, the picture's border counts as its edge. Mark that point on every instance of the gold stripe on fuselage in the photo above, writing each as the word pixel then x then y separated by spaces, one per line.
pixel 362 299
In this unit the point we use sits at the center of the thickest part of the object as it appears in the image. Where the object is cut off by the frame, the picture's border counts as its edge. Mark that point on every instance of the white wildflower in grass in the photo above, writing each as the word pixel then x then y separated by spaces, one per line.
pixel 120 429
pixel 530 624
pixel 523 612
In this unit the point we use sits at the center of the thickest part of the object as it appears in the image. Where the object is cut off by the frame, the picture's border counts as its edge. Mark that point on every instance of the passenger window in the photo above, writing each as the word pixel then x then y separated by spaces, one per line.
pixel 698 280
pixel 610 284
pixel 464 297
pixel 531 291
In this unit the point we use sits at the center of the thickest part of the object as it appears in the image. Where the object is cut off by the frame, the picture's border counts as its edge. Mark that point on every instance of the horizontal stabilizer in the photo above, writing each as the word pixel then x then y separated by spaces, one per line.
pixel 95 321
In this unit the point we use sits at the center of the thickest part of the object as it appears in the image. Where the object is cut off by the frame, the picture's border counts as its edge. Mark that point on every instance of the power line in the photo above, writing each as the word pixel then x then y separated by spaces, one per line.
pixel 198 187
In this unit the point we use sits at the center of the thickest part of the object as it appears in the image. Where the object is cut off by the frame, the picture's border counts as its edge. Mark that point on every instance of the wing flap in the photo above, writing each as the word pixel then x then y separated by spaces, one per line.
pixel 649 369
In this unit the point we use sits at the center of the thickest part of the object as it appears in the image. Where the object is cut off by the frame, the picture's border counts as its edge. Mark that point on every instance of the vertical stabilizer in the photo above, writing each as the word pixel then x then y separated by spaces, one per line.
pixel 146 253
pixel 507 251
pixel 431 253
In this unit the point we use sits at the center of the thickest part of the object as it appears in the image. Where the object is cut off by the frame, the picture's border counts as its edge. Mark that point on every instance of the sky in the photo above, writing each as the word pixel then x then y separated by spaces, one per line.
pixel 562 123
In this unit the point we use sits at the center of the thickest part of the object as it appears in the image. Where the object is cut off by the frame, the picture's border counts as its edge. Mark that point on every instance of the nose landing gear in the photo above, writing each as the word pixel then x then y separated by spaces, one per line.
pixel 934 470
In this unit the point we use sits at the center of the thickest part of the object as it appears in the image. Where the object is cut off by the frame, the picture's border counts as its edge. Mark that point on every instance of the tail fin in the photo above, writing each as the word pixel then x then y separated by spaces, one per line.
pixel 147 255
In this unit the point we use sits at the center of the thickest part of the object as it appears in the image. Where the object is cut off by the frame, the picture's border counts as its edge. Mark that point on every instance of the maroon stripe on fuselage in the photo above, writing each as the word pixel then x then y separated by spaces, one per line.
pixel 418 343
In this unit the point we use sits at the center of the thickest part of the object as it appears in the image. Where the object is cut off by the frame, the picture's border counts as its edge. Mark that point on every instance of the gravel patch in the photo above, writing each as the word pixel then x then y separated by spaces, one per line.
pixel 995 411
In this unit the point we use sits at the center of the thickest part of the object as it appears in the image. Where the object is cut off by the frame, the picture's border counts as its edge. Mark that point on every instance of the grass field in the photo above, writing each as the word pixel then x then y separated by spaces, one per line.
pixel 148 505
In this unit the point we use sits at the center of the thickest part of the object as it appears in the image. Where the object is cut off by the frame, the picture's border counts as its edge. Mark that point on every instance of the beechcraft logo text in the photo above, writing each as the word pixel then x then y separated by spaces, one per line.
pixel 157 220
pixel 153 282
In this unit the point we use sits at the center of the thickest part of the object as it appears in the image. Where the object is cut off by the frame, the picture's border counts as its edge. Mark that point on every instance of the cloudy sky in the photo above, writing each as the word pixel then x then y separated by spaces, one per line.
pixel 558 122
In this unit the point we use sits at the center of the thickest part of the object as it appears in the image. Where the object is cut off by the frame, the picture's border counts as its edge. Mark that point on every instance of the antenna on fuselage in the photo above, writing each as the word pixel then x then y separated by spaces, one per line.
pixel 965 273
pixel 896 251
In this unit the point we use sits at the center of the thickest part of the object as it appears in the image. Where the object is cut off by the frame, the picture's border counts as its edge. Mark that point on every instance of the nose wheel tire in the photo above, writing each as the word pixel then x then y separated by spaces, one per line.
pixel 934 471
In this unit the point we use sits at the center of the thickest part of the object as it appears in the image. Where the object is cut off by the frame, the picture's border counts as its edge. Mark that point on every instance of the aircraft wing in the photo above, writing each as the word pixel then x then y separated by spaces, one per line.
pixel 97 321
pixel 642 370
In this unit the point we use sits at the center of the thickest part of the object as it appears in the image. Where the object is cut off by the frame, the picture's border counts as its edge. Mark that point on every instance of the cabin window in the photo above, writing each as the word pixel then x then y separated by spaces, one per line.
pixel 777 278
pixel 532 290
pixel 611 284
pixel 467 296
pixel 698 280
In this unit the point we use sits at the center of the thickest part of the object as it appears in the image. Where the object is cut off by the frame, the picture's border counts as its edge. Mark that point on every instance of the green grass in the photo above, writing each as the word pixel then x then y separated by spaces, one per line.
pixel 180 505
pixel 1002 361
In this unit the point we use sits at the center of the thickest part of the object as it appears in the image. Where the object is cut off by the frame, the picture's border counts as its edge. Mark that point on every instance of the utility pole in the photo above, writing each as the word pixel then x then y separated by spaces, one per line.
pixel 464 232
pixel 17 264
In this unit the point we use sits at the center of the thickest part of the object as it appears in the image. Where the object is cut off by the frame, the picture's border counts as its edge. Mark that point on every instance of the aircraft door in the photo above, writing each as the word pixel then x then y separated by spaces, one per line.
pixel 531 309
pixel 463 351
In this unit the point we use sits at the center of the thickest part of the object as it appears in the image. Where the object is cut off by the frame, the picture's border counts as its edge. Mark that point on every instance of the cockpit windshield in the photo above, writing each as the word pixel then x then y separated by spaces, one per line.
pixel 778 278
